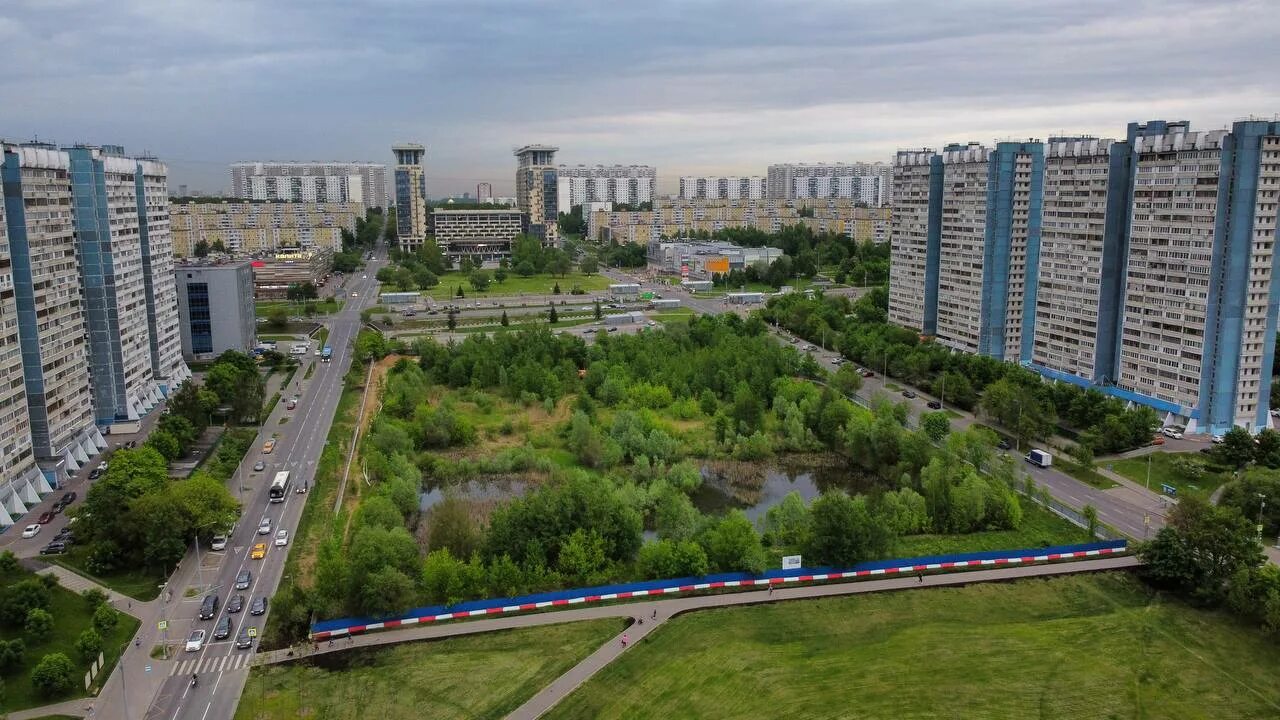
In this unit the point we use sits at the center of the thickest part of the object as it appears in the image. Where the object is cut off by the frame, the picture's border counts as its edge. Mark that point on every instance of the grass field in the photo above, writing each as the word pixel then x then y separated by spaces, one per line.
pixel 479 676
pixel 1089 476
pixel 1039 528
pixel 138 583
pixel 515 285
pixel 1165 471
pixel 323 307
pixel 70 618
pixel 1088 646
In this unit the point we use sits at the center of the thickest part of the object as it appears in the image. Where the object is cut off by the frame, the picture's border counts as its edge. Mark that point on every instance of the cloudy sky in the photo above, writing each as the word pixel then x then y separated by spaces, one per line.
pixel 690 87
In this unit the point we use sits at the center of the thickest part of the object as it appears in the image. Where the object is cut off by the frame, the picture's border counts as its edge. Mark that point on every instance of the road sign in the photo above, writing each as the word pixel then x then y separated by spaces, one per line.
pixel 790 562
pixel 1169 490
pixel 252 632
pixel 148 668
pixel 162 625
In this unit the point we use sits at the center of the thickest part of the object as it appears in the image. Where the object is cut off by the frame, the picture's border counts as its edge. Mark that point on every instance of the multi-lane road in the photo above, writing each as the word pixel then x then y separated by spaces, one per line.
pixel 221 667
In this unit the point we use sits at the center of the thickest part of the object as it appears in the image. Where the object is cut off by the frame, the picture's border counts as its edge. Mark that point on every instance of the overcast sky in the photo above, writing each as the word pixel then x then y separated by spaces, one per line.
pixel 690 87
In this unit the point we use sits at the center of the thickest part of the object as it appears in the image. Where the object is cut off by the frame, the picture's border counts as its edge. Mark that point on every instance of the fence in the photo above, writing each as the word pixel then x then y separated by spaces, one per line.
pixel 479 608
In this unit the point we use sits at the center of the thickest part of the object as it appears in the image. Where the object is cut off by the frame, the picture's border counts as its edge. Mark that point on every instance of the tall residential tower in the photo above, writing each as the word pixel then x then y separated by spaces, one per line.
pixel 411 195
pixel 536 191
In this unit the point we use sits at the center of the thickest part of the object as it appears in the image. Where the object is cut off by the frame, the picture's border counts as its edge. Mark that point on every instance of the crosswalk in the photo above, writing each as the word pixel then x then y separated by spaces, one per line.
pixel 221 663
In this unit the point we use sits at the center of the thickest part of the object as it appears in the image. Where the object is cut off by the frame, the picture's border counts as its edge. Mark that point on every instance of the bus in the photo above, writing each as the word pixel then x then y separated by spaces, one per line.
pixel 279 486
pixel 327 354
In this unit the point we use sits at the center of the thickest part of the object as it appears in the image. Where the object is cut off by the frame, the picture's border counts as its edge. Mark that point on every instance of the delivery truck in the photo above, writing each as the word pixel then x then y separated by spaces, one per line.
pixel 1040 458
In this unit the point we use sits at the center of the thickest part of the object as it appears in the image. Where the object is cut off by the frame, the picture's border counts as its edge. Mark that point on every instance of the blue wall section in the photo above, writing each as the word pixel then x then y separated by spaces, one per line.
pixel 1115 252
pixel 933 247
pixel 340 623
pixel 1031 276
pixel 998 243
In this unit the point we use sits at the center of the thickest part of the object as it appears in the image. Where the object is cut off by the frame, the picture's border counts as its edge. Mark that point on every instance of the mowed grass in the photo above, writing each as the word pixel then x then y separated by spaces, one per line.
pixel 1165 471
pixel 476 676
pixel 542 284
pixel 1039 528
pixel 1086 646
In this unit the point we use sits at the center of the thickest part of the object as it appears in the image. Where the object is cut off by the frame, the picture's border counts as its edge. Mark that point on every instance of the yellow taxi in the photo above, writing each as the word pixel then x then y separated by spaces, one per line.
pixel 268 446
pixel 259 551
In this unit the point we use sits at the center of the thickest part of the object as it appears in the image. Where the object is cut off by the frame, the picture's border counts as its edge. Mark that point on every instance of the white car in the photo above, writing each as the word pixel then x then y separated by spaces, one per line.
pixel 355 294
pixel 30 531
pixel 219 542
pixel 282 537
pixel 264 526
pixel 1171 432
pixel 196 641
pixel 1218 439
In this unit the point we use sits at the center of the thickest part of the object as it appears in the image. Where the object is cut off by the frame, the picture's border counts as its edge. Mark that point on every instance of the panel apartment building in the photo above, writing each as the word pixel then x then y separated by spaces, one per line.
pixel 630 184
pixel 867 183
pixel 1154 277
pixel 248 229
pixel 710 187
pixel 683 218
pixel 364 184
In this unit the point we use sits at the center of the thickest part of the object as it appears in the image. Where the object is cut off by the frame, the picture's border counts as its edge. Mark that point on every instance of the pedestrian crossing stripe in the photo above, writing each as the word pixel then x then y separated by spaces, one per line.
pixel 221 663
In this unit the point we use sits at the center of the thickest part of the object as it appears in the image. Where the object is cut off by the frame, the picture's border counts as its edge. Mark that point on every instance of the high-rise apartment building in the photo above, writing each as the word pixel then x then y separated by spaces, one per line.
pixel 484 192
pixel 1153 259
pixel 863 182
pixel 630 184
pixel 722 188
pixel 411 195
pixel 536 191
pixel 364 184
pixel 916 231
pixel 258 229
pixel 165 342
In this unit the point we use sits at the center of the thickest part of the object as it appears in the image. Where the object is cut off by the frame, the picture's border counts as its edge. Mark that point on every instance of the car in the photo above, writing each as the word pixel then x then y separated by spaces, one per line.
pixel 282 537
pixel 219 542
pixel 195 643
pixel 935 405
pixel 245 638
pixel 613 329
pixel 264 526
pixel 291 405
pixel 131 444
pixel 1003 444
pixel 868 374
pixel 259 551
pixel 1157 440
pixel 47 517
pixel 1217 439
pixel 67 498
pixel 268 446
pixel 355 294
pixel 209 607
pixel 222 630
pixel 1172 432
pixel 65 535
pixel 57 547
pixel 258 606
pixel 364 277
pixel 908 394
pixel 30 531
pixel 259 466
pixel 94 474
pixel 588 331
pixel 235 603
pixel 243 579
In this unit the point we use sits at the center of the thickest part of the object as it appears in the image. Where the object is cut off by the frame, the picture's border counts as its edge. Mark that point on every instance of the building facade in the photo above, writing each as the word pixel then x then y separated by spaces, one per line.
pixel 722 188
pixel 537 193
pixel 273 275
pixel 581 184
pixel 483 234
pixel 484 192
pixel 916 231
pixel 259 228
pixel 411 195
pixel 364 184
pixel 687 218
pixel 215 308
pixel 155 236
pixel 868 183
pixel 1153 265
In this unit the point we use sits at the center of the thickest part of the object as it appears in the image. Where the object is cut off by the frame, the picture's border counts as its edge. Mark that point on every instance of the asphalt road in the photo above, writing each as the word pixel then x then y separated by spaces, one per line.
pixel 221 667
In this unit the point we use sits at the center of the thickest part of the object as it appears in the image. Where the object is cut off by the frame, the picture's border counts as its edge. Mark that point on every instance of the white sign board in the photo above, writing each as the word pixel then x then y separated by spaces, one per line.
pixel 790 562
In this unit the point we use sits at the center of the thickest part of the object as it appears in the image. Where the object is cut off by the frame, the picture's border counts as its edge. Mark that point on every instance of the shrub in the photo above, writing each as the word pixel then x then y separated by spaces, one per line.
pixel 105 618
pixel 89 644
pixel 53 675
pixel 39 625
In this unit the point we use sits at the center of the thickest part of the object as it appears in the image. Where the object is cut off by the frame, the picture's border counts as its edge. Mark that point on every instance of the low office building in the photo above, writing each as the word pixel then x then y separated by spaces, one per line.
pixel 626 318
pixel 624 290
pixel 483 234
pixel 248 229
pixel 705 259
pixel 215 308
pixel 273 276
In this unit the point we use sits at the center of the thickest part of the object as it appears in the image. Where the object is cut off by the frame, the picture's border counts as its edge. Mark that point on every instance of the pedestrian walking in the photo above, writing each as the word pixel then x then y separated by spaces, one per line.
pixel 771 588
pixel 920 576
pixel 655 614
pixel 137 642
pixel 624 639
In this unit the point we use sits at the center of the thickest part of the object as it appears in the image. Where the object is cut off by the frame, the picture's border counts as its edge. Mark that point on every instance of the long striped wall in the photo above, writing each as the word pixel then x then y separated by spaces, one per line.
pixel 579 596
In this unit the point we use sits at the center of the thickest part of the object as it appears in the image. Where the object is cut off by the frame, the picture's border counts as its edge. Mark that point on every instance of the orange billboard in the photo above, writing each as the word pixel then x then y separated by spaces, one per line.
pixel 718 265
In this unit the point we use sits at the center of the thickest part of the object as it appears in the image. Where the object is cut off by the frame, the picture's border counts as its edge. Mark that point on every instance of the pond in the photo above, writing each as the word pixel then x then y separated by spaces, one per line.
pixel 487 490
pixel 755 488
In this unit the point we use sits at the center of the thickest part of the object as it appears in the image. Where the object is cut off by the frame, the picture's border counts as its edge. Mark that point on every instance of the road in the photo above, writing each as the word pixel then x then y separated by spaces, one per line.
pixel 222 668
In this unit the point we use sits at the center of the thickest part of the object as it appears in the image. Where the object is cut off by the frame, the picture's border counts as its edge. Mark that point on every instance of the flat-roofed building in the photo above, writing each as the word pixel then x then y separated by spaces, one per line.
pixel 215 307
pixel 483 234
pixel 248 229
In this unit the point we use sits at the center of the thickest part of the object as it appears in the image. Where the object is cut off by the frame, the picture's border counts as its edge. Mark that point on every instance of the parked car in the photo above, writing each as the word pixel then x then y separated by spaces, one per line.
pixel 56 547
pixel 282 537
pixel 613 329
pixel 131 444
pixel 94 474
pixel 47 517
pixel 1157 440
pixel 908 394
pixel 196 642
pixel 31 531
pixel 235 603
pixel 65 535
pixel 258 606
pixel 222 630
pixel 1172 432
pixel 291 405
pixel 1003 444
pixel 219 542
pixel 243 579
pixel 935 405
pixel 868 374
pixel 1217 439
pixel 67 498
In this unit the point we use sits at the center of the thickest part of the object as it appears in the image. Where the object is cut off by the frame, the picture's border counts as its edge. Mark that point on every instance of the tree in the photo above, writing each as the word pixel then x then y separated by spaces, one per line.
pixel 589 265
pixel 20 598
pixel 8 563
pixel 278 319
pixel 582 557
pixel 93 597
pixel 54 675
pixel 1237 447
pixel 39 625
pixel 558 262
pixel 1200 549
pixel 386 590
pixel 504 321
pixel 847 380
pixel 1091 517
pixel 459 293
pixel 1268 448
pixel 526 269
pixel 89 644
pixel 201 249
pixel 480 280
pixel 527 250
pixel 671 559
pixel 596 311
pixel 12 653
pixel 451 321
pixel 165 444
pixel 218 246
pixel 788 523
pixel 500 275
pixel 1243 495
pixel 1018 410
pixel 556 289
pixel 845 532
pixel 452 527
pixel 936 425
pixel 105 618
pixel 553 317
pixel 731 544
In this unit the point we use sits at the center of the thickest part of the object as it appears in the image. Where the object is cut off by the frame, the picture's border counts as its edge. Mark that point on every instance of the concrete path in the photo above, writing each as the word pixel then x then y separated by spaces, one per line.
pixel 78 583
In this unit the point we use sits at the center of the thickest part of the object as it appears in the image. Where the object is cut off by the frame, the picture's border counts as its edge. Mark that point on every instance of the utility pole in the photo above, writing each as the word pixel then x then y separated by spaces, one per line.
pixel 1262 506
pixel 1149 470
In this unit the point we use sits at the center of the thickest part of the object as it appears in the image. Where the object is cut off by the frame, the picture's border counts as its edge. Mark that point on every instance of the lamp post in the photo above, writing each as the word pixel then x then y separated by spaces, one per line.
pixel 1261 506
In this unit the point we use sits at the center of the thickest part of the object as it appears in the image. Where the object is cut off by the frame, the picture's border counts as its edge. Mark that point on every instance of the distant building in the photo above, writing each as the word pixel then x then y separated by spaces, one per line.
pixel 272 276
pixel 411 196
pixel 364 184
pixel 250 229
pixel 581 184
pixel 687 218
pixel 705 259
pixel 536 191
pixel 483 234
pixel 215 307
pixel 484 192
pixel 868 183
pixel 722 188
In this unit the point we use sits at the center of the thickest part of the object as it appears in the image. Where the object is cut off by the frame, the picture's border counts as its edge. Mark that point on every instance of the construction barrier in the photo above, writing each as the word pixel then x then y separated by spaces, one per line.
pixel 481 608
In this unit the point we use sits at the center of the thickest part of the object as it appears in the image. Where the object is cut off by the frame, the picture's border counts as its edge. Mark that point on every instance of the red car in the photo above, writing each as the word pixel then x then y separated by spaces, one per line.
pixel 46 518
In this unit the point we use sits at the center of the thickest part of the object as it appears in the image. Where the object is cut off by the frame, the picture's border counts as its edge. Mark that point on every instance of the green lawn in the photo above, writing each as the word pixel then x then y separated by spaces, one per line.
pixel 138 583
pixel 1085 475
pixel 477 676
pixel 515 285
pixel 1164 470
pixel 1087 646
pixel 323 307
pixel 70 618
pixel 1039 528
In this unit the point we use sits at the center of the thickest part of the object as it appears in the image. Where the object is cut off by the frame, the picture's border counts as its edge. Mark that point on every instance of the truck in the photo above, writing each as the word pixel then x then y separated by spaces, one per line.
pixel 327 354
pixel 1040 458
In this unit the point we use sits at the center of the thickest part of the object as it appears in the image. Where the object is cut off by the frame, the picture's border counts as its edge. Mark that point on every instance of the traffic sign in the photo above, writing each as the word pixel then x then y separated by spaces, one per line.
pixel 162 625
pixel 252 632
pixel 148 668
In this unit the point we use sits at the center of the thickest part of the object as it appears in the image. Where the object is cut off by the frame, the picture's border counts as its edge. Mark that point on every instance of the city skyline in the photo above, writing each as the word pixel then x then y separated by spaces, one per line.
pixel 687 90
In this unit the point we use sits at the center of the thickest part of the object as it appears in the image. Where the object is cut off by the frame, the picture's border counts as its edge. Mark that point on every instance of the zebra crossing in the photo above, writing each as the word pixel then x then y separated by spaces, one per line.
pixel 224 663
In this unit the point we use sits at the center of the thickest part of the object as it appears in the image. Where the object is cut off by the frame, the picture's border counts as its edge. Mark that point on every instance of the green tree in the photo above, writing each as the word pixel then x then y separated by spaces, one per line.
pixel 1200 549
pixel 278 319
pixel 731 544
pixel 788 523
pixel 671 559
pixel 88 645
pixel 93 597
pixel 500 275
pixel 589 265
pixel 1091 517
pixel 21 598
pixel 480 280
pixel 165 444
pixel 504 321
pixel 582 558
pixel 552 316
pixel 1268 448
pixel 105 619
pixel 201 249
pixel 1237 448
pixel 936 425
pixel 558 262
pixel 54 675
pixel 39 625
pixel 459 292
pixel 1018 409
pixel 451 321
pixel 1245 494
pixel 597 312
pixel 386 590
pixel 12 653
pixel 555 289
pixel 847 380
pixel 845 531
pixel 452 527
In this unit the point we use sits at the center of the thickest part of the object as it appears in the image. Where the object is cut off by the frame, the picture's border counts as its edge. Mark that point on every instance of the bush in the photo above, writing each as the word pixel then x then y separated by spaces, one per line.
pixel 12 653
pixel 54 675
pixel 89 644
pixel 93 597
pixel 105 618
pixel 39 625
pixel 21 598
pixel 8 563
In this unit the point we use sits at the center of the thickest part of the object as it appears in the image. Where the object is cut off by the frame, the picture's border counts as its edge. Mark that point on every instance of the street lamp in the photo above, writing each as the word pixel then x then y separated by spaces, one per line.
pixel 1262 506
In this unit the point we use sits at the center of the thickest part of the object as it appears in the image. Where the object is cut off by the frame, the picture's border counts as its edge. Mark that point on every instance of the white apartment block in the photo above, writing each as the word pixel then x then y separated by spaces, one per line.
pixel 963 244
pixel 165 338
pixel 868 183
pixel 581 184
pixel 912 261
pixel 354 182
pixel 722 188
